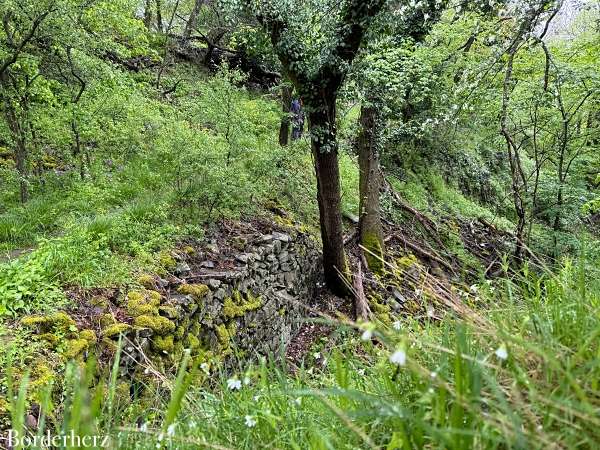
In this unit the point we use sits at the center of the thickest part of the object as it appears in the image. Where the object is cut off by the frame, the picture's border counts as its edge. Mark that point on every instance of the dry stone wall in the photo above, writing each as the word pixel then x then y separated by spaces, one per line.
pixel 243 298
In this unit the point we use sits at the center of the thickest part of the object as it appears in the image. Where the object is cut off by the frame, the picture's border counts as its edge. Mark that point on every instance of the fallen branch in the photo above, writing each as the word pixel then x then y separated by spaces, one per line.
pixel 428 224
pixel 421 251
pixel 361 305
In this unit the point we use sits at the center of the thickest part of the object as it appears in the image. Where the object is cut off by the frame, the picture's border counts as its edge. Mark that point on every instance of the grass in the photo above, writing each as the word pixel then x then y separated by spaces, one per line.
pixel 521 371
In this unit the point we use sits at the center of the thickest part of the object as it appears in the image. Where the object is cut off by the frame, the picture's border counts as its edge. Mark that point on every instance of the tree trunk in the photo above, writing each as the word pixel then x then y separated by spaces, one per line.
pixel 148 14
pixel 325 153
pixel 284 129
pixel 159 20
pixel 369 226
pixel 20 150
pixel 19 140
pixel 556 228
pixel 190 26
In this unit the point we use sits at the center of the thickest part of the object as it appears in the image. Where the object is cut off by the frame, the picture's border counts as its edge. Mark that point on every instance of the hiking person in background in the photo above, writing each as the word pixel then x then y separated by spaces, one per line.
pixel 297 119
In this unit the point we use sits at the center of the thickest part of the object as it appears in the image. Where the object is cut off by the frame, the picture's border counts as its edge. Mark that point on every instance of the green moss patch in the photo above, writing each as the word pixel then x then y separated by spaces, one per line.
pixel 237 305
pixel 197 291
pixel 158 324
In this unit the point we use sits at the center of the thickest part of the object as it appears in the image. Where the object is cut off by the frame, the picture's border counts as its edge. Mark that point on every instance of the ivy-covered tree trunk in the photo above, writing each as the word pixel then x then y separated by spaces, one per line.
pixel 284 128
pixel 322 113
pixel 369 225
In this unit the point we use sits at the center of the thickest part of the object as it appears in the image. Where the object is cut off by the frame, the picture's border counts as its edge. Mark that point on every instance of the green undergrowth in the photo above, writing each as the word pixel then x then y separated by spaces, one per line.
pixel 431 194
pixel 207 155
pixel 522 372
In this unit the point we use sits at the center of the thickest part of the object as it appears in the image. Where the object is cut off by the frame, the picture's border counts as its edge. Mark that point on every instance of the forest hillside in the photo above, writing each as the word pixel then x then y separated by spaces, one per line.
pixel 299 224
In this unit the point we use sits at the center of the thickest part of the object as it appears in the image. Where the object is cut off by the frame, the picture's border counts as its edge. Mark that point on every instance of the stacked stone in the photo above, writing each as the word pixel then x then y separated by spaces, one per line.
pixel 252 309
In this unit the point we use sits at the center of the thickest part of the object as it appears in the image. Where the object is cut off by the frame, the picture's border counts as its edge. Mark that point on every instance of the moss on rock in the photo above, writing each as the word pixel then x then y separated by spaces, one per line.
pixel 74 347
pixel 237 305
pixel 141 303
pixel 115 330
pixel 160 325
pixel 58 322
pixel 100 302
pixel 192 342
pixel 197 291
pixel 163 344
pixel 146 281
pixel 166 261
pixel 169 311
pixel 225 335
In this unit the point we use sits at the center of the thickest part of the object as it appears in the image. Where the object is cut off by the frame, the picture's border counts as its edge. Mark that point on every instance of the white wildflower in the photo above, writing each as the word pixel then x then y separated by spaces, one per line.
pixel 250 421
pixel 397 325
pixel 398 357
pixel 247 380
pixel 502 353
pixel 433 375
pixel 256 398
pixel 234 384
pixel 171 430
pixel 316 355
pixel 367 335
pixel 144 427
pixel 205 367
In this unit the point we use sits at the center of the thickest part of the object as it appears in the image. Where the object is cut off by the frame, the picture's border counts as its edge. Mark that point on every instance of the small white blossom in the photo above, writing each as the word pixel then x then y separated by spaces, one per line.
pixel 397 325
pixel 316 355
pixel 433 375
pixel 398 358
pixel 361 372
pixel 250 421
pixel 502 353
pixel 171 430
pixel 256 398
pixel 234 384
pixel 367 335
pixel 246 380
pixel 205 367
pixel 144 427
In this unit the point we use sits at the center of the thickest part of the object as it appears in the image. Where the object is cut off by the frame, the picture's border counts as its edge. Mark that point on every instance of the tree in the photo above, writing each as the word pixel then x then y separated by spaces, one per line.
pixel 317 69
pixel 20 27
pixel 192 21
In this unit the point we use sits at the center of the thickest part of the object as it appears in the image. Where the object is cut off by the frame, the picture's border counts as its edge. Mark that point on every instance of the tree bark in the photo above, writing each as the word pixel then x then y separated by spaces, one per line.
pixel 369 227
pixel 19 141
pixel 148 14
pixel 192 22
pixel 159 20
pixel 325 154
pixel 318 89
pixel 284 128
